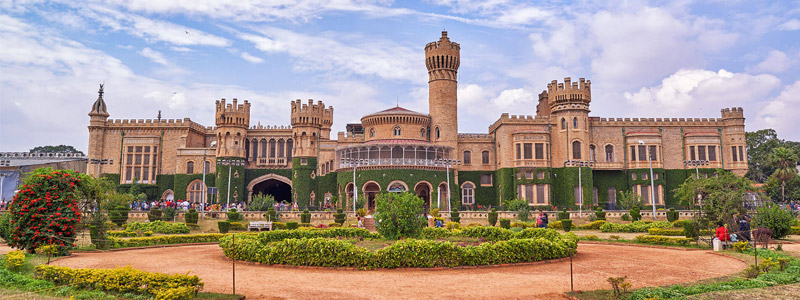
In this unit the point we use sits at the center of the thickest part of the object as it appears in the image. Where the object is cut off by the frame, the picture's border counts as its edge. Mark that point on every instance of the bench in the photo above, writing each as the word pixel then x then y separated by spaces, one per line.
pixel 260 225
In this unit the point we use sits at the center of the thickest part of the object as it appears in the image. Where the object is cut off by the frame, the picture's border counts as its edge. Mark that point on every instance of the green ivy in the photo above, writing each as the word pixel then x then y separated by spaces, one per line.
pixel 166 182
pixel 507 188
pixel 151 190
pixel 410 176
pixel 181 183
pixel 484 195
pixel 237 184
pixel 302 183
pixel 564 182
pixel 603 180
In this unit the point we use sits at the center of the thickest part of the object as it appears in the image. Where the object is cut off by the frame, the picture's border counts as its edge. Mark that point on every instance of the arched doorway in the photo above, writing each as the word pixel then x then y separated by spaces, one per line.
pixel 423 190
pixel 443 197
pixel 271 184
pixel 168 195
pixel 371 190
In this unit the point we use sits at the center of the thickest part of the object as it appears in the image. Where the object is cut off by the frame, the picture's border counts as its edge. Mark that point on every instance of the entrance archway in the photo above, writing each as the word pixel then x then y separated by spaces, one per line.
pixel 371 190
pixel 423 190
pixel 271 184
pixel 168 195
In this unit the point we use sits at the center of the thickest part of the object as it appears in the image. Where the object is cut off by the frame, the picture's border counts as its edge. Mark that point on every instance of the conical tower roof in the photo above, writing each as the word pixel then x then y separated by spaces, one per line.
pixel 99 106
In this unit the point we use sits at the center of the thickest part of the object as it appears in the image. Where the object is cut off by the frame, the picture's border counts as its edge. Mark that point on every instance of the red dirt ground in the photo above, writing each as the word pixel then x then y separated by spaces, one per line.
pixel 592 265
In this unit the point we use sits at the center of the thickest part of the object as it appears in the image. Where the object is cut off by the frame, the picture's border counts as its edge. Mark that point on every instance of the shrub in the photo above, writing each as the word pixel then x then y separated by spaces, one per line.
pixel 237 226
pixel 306 225
pixel 5 226
pixel 566 225
pixel 489 233
pixel 234 216
pixel 159 227
pixel 191 217
pixel 665 231
pixel 121 280
pixel 118 206
pixel 432 233
pixel 741 246
pixel 673 215
pixel 435 213
pixel 278 225
pixel 554 225
pixel 776 219
pixel 339 217
pixel 305 217
pixel 636 226
pixel 452 225
pixel 224 226
pixel 593 225
pixel 613 237
pixel 154 214
pixel 15 260
pixel 147 233
pixel 635 214
pixel 400 215
pixel 261 202
pixel 505 223
pixel 600 214
pixel 455 216
pixel 292 225
pixel 680 223
pixel 563 215
pixel 330 225
pixel 50 250
pixel 45 210
pixel 165 240
pixel 662 240
pixel 493 217
pixel 273 216
pixel 794 230
pixel 625 217
pixel 121 234
pixel 591 237
pixel 690 230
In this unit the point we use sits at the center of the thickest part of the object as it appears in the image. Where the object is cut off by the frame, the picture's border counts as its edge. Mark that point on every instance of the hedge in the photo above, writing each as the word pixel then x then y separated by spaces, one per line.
pixel 124 280
pixel 158 227
pixel 637 226
pixel 662 240
pixel 795 230
pixel 279 235
pixel 593 225
pixel 666 231
pixel 165 240
pixel 122 233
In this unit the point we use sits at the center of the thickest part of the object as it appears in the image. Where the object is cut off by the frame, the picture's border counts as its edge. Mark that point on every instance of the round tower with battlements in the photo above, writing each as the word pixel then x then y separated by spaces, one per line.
pixel 442 59
pixel 569 114
pixel 232 121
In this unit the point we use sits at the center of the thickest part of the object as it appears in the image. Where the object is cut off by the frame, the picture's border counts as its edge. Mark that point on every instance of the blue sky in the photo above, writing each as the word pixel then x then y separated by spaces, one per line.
pixel 644 58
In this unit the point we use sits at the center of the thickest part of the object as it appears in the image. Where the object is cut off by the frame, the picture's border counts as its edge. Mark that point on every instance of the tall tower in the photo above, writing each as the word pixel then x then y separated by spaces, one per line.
pixel 232 121
pixel 310 123
pixel 569 112
pixel 97 121
pixel 733 141
pixel 442 59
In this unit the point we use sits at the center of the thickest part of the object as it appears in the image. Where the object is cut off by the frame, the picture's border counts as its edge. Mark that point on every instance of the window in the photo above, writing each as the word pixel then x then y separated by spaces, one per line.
pixel 486 179
pixel 612 195
pixel 195 191
pixel 437 133
pixel 643 176
pixel 652 151
pixel 529 193
pixel 372 132
pixel 130 156
pixel 733 151
pixel 642 153
pixel 574 122
pixel 701 152
pixel 578 195
pixel 712 153
pixel 528 174
pixel 468 194
pixel 467 157
pixel 528 151
pixel 422 133
pixel 655 176
pixel 485 157
pixel 592 155
pixel 540 175
pixel 609 153
pixel 145 174
pixel 563 123
pixel 576 150
pixel 397 130
pixel 138 159
pixel 540 194
pixel 594 195
pixel 634 176
pixel 539 150
pixel 519 151
pixel 190 167
pixel 633 153
pixel 691 153
pixel 741 153
pixel 303 161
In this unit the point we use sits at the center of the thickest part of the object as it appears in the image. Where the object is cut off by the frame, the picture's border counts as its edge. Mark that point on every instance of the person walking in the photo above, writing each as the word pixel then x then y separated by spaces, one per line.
pixel 744 226
pixel 544 219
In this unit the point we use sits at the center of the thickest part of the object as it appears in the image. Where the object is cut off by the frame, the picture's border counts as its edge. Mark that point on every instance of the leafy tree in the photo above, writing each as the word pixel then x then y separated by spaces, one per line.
pixel 774 188
pixel 135 188
pixel 785 162
pixel 720 197
pixel 759 148
pixel 261 202
pixel 776 219
pixel 117 206
pixel 628 200
pixel 399 215
pixel 520 206
pixel 54 149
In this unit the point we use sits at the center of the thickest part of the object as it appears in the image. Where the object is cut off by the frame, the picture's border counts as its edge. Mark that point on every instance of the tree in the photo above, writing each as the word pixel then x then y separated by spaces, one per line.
pixel 117 206
pixel 522 208
pixel 774 188
pixel 628 200
pixel 759 148
pixel 54 149
pixel 785 162
pixel 399 215
pixel 720 197
pixel 261 202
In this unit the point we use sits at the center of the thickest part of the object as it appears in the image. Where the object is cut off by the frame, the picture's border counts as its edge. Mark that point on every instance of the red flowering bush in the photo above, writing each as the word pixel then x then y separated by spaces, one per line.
pixel 45 211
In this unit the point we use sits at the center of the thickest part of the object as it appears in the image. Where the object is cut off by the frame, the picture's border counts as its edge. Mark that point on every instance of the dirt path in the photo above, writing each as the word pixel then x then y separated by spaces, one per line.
pixel 4 248
pixel 593 264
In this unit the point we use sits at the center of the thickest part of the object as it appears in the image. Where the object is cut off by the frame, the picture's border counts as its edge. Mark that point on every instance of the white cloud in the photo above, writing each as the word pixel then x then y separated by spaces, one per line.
pixel 515 97
pixel 775 62
pixel 181 49
pixel 523 15
pixel 155 56
pixel 791 25
pixel 253 59
pixel 688 91
pixel 781 113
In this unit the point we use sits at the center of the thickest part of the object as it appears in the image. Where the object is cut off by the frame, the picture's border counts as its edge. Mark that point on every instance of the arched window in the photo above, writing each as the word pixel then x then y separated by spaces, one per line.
pixel 437 133
pixel 397 130
pixel 609 153
pixel 396 187
pixel 194 192
pixel 372 132
pixel 563 123
pixel 207 167
pixel 190 167
pixel 467 157
pixel 422 133
pixel 576 150
pixel 592 155
pixel 468 194
pixel 574 122
pixel 485 157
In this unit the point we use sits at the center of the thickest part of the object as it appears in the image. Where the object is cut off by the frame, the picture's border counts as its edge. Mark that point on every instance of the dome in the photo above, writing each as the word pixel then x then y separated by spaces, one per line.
pixel 395 111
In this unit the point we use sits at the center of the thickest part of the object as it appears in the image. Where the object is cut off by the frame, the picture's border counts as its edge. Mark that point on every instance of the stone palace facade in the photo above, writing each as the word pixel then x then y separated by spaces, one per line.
pixel 530 157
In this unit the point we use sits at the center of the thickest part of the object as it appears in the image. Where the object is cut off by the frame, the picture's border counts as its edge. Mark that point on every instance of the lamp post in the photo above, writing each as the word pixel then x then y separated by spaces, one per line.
pixel 696 164
pixel 98 162
pixel 230 163
pixel 579 164
pixel 652 181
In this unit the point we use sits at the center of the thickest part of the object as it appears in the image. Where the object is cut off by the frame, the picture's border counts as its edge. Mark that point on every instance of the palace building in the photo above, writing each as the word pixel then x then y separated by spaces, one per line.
pixel 530 157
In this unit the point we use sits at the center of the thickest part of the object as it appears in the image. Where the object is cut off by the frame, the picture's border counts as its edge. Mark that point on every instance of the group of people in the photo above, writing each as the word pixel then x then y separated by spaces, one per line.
pixel 742 221
pixel 541 221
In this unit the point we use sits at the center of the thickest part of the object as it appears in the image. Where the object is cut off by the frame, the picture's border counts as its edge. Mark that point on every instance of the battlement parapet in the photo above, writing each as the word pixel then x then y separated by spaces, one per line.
pixel 732 113
pixel 43 155
pixel 443 43
pixel 507 118
pixel 477 137
pixel 310 114
pixel 342 137
pixel 596 121
pixel 175 123
pixel 270 127
pixel 569 92
pixel 232 114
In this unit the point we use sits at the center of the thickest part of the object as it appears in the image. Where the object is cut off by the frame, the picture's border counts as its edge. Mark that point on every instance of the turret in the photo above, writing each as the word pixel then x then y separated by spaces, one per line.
pixel 734 147
pixel 442 59
pixel 569 116
pixel 569 95
pixel 232 121
pixel 310 123
pixel 97 121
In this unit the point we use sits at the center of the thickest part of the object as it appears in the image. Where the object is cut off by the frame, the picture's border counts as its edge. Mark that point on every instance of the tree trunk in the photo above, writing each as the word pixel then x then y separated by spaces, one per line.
pixel 783 191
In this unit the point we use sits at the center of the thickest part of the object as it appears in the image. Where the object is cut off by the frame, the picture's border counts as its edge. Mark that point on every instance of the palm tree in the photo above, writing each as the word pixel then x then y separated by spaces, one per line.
pixel 785 162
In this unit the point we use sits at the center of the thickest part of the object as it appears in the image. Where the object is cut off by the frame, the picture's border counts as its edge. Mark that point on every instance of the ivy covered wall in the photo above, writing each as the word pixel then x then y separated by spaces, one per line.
pixel 237 184
pixel 167 182
pixel 603 180
pixel 484 195
pixel 562 190
pixel 505 185
pixel 182 182
pixel 302 181
pixel 410 176
pixel 151 190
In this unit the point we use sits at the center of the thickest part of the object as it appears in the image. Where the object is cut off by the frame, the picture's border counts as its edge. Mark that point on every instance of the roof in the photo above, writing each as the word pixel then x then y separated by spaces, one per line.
pixel 397 110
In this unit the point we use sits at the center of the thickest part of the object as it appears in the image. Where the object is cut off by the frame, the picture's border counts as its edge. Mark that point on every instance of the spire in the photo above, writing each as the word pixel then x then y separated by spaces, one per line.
pixel 99 106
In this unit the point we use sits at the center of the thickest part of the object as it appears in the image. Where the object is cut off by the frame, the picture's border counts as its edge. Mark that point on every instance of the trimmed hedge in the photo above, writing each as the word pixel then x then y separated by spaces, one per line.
pixel 123 280
pixel 637 226
pixel 593 225
pixel 666 231
pixel 121 234
pixel 158 227
pixel 165 240
pixel 662 240
pixel 795 230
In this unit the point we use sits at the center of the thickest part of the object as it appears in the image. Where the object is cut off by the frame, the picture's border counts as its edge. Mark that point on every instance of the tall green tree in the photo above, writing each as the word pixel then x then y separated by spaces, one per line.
pixel 53 149
pixel 399 215
pixel 785 162
pixel 720 197
pixel 775 189
pixel 759 148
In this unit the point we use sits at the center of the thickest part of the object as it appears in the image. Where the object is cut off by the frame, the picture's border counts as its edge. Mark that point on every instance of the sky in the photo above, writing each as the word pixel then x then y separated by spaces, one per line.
pixel 644 58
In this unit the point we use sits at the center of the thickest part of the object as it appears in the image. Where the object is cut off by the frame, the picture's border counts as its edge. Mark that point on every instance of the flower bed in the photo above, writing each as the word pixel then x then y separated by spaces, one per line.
pixel 638 226
pixel 165 240
pixel 158 227
pixel 662 240
pixel 123 280
pixel 330 248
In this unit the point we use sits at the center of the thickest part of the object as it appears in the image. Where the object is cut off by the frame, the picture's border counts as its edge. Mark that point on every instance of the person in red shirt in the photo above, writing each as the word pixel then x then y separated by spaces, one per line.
pixel 722 233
